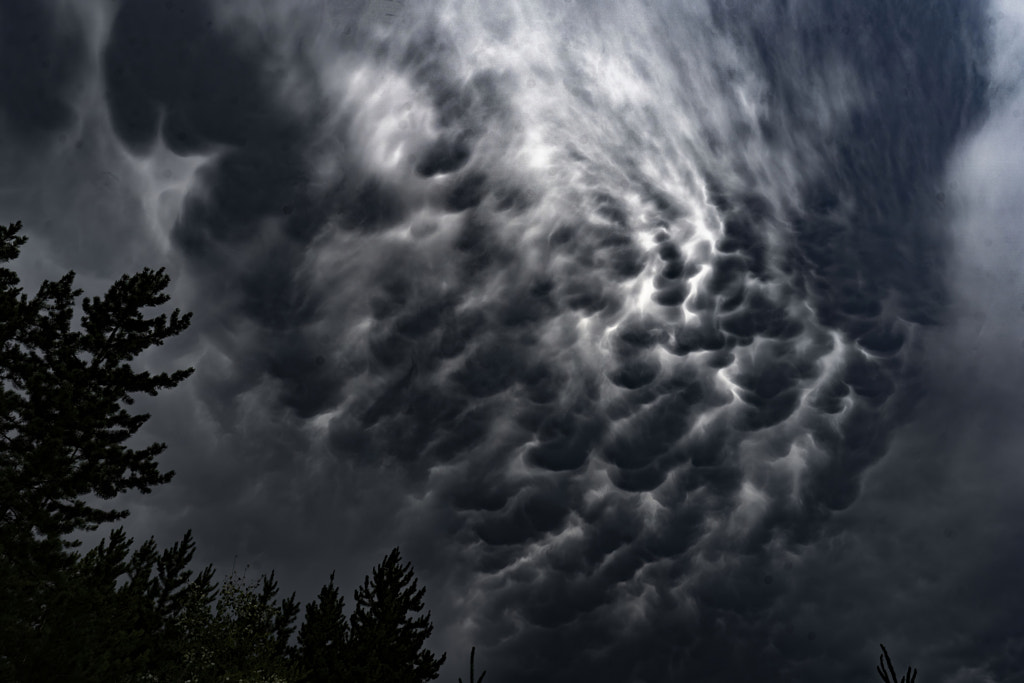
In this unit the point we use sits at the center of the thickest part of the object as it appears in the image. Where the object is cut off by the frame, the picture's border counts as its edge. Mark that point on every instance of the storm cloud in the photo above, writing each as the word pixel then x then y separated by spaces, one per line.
pixel 669 340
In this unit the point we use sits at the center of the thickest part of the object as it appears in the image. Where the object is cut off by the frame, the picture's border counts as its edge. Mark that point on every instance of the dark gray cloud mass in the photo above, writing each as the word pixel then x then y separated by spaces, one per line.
pixel 669 340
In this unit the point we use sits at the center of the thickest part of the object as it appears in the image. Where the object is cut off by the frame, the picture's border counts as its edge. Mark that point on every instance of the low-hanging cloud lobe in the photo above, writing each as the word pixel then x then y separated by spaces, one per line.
pixel 637 325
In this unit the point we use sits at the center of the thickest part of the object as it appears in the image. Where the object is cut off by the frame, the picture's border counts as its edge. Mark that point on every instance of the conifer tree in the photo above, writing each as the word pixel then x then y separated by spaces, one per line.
pixel 61 433
pixel 105 632
pixel 385 642
pixel 64 410
pixel 324 636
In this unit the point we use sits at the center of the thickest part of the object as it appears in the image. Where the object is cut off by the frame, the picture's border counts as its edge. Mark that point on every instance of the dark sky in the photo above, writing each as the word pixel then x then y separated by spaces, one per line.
pixel 668 340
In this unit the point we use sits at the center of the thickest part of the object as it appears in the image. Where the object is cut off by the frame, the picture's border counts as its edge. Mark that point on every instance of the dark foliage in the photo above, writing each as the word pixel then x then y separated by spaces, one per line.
pixel 381 643
pixel 385 643
pixel 64 409
pixel 61 435
pixel 323 636
pixel 112 614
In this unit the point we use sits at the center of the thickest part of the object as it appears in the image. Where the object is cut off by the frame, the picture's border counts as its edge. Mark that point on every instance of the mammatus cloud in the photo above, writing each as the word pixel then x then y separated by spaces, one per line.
pixel 604 313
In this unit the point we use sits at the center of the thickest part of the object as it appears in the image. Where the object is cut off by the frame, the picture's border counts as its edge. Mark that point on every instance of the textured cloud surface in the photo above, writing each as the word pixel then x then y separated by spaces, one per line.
pixel 669 340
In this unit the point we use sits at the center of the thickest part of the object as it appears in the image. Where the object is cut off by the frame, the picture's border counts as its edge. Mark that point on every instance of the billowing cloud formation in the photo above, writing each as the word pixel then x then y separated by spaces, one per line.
pixel 603 313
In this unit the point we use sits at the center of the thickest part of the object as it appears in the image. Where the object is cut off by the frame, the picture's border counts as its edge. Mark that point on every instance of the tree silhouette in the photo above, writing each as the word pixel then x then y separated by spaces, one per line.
pixel 64 616
pixel 158 625
pixel 68 425
pixel 385 645
pixel 323 637
pixel 244 639
pixel 61 433
pixel 105 632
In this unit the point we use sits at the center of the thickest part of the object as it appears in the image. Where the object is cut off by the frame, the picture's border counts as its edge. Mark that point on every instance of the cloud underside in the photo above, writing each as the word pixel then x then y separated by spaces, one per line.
pixel 632 310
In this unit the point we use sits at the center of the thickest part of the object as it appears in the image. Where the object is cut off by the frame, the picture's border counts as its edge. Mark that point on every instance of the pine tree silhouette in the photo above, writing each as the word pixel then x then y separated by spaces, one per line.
pixel 323 637
pixel 62 428
pixel 385 644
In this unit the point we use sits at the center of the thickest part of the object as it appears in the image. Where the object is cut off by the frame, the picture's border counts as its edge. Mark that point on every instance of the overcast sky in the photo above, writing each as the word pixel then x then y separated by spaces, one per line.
pixel 669 340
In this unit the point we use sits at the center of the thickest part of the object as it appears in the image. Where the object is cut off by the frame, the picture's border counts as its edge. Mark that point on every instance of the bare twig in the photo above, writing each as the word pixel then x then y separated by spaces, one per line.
pixel 881 672
pixel 472 656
